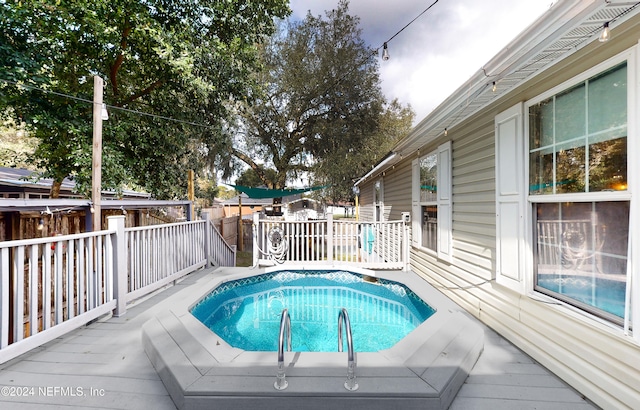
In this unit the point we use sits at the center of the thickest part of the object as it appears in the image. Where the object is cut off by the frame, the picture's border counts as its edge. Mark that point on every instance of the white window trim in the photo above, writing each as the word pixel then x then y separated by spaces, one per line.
pixel 444 203
pixel 632 57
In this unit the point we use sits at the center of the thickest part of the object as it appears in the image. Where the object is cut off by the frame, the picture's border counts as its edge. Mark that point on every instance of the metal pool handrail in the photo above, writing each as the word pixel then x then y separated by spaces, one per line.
pixel 350 383
pixel 285 331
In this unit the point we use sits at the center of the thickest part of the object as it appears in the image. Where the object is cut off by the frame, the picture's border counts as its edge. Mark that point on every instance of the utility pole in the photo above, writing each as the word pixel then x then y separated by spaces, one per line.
pixel 96 167
pixel 191 194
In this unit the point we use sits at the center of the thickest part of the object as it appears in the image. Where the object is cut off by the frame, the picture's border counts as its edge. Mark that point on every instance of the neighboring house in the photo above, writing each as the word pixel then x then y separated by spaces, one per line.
pixel 525 199
pixel 303 209
pixel 16 183
pixel 249 205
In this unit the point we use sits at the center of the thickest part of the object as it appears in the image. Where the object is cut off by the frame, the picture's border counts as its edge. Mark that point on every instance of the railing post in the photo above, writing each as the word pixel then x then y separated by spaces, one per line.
pixel 406 245
pixel 119 242
pixel 256 241
pixel 329 238
pixel 207 238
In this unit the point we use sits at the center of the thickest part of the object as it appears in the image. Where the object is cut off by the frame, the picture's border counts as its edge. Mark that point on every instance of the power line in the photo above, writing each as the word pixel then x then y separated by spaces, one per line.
pixel 156 116
pixel 111 107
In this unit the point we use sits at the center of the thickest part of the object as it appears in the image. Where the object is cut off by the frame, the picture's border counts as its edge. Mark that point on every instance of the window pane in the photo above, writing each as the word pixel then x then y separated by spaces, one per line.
pixel 541 124
pixel 581 254
pixel 608 165
pixel 430 227
pixel 608 100
pixel 570 120
pixel 429 178
pixel 541 172
pixel 570 175
pixel 578 141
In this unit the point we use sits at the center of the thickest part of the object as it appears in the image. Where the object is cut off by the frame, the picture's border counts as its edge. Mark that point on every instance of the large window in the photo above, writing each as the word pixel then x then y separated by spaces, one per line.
pixel 578 138
pixel 432 214
pixel 578 193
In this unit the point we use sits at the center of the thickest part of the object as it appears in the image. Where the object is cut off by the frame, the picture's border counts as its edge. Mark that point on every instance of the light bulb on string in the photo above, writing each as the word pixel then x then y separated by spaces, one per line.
pixel 385 52
pixel 605 35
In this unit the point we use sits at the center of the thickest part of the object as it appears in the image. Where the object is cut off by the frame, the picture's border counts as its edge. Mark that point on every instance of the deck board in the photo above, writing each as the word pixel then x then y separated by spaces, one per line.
pixel 108 354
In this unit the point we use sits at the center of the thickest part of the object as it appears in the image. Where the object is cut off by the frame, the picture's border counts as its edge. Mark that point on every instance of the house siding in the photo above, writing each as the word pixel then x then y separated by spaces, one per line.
pixel 591 355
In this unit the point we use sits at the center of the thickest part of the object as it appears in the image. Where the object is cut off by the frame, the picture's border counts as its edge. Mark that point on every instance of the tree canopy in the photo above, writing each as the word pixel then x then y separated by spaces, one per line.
pixel 321 111
pixel 180 62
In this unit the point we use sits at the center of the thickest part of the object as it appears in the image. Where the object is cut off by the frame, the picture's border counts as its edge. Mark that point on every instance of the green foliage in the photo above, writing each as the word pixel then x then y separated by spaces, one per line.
pixel 15 145
pixel 225 193
pixel 251 178
pixel 206 190
pixel 321 110
pixel 185 60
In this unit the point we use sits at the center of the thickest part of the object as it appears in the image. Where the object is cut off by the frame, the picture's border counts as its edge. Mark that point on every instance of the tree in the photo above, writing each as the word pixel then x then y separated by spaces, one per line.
pixel 394 123
pixel 184 60
pixel 321 102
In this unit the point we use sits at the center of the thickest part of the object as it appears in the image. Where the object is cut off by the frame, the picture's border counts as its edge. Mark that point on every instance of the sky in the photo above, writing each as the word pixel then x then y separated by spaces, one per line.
pixel 442 49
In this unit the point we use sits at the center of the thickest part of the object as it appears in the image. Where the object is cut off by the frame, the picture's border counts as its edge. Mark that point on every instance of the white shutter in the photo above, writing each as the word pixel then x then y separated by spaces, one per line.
pixel 416 216
pixel 445 212
pixel 510 194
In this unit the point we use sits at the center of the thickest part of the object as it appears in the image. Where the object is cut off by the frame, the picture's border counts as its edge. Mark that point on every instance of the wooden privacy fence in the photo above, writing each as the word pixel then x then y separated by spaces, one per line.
pixel 49 286
pixel 375 245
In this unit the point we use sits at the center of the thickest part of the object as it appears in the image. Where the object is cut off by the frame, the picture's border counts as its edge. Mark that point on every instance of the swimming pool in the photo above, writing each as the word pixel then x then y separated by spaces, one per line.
pixel 246 313
pixel 424 370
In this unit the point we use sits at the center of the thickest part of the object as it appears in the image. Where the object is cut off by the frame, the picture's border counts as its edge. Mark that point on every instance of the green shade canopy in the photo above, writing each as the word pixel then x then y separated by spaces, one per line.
pixel 261 193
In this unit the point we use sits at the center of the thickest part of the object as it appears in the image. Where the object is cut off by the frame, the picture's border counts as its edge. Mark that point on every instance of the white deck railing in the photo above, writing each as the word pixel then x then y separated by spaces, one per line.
pixel 375 245
pixel 52 285
pixel 49 286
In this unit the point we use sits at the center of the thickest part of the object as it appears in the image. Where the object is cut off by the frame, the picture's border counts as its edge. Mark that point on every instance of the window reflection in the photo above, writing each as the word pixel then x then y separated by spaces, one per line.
pixel 608 165
pixel 429 178
pixel 581 254
pixel 430 227
pixel 577 139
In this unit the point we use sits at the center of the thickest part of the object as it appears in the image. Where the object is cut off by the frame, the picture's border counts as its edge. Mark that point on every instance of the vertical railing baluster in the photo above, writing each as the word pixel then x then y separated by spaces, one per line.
pixel 82 274
pixel 18 294
pixel 99 281
pixel 58 283
pixel 33 289
pixel 4 297
pixel 70 278
pixel 46 286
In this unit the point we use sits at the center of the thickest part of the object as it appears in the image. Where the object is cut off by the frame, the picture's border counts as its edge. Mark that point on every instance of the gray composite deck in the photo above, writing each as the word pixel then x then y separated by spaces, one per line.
pixel 104 366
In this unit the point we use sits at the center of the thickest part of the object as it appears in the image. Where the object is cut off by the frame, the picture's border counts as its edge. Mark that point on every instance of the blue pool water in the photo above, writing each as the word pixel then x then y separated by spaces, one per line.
pixel 246 313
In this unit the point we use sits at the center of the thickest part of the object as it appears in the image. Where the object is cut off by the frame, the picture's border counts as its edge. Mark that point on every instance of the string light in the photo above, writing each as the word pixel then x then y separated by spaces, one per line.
pixel 605 35
pixel 385 52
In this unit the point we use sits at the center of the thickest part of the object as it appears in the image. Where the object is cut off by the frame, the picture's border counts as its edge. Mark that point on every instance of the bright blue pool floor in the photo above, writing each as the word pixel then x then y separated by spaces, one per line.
pixel 247 313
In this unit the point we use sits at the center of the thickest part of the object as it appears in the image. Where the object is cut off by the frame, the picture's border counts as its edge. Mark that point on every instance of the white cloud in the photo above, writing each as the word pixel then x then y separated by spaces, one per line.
pixel 439 51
